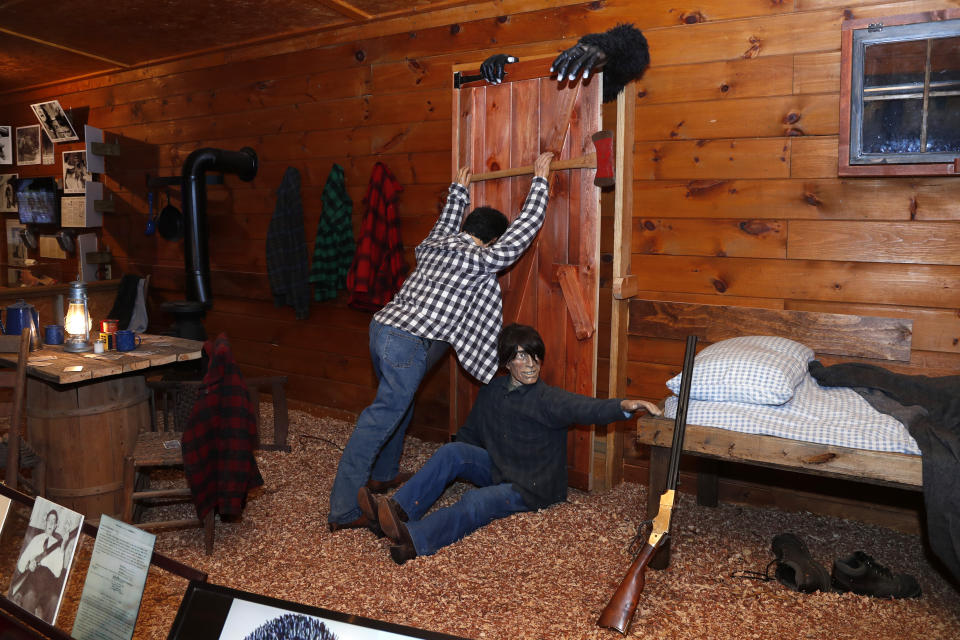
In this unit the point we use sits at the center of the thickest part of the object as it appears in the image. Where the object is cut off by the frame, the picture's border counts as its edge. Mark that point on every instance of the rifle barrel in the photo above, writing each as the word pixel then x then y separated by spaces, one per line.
pixel 683 401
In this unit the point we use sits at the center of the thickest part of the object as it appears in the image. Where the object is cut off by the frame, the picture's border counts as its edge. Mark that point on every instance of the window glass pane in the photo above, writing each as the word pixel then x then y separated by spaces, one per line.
pixel 893 96
pixel 943 118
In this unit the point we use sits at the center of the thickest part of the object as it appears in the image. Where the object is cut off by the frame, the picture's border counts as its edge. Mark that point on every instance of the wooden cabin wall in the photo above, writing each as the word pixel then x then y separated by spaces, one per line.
pixel 736 195
pixel 737 201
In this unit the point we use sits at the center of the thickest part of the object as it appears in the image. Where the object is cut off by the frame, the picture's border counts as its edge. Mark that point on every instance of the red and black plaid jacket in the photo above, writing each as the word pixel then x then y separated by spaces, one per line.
pixel 220 436
pixel 378 267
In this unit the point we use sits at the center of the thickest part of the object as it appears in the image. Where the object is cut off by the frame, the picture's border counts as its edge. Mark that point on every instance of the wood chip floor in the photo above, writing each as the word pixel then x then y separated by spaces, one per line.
pixel 540 575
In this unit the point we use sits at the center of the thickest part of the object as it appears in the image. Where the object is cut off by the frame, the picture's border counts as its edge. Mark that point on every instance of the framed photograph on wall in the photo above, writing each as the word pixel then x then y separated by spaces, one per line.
pixel 75 173
pixel 55 121
pixel 6 144
pixel 8 195
pixel 16 250
pixel 28 144
pixel 46 149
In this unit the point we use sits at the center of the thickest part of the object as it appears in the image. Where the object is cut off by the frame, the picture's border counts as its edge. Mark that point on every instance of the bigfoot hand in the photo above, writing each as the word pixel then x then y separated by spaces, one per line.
pixel 578 57
pixel 492 68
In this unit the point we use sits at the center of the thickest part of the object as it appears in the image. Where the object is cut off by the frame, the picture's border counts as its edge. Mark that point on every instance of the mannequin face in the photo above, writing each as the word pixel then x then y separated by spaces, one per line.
pixel 524 368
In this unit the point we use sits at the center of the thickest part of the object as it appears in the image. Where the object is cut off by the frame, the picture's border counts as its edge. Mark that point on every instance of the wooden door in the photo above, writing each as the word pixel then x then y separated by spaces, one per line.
pixel 554 286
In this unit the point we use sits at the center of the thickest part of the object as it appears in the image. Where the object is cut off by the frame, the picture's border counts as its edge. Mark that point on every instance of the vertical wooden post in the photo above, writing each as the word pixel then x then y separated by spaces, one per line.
pixel 622 232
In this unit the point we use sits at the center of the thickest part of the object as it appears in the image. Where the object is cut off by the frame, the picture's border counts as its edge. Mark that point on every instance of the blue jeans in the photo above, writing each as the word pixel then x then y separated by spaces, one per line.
pixel 477 507
pixel 400 360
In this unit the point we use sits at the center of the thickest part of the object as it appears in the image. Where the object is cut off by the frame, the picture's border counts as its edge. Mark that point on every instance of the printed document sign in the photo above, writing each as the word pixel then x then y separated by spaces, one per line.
pixel 113 589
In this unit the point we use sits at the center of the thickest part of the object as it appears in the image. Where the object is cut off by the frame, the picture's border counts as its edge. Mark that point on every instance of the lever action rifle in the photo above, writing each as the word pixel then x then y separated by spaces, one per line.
pixel 622 605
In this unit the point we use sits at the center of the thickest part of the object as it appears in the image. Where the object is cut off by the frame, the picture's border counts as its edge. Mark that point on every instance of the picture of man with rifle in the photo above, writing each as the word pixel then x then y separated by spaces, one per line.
pixel 512 448
pixel 42 566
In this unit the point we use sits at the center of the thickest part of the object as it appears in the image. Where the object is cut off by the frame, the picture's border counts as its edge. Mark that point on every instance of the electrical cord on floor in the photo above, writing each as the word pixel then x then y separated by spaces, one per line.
pixel 330 442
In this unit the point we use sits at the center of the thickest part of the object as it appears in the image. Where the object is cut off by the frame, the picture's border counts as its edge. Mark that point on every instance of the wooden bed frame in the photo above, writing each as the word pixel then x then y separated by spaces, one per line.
pixel 867 339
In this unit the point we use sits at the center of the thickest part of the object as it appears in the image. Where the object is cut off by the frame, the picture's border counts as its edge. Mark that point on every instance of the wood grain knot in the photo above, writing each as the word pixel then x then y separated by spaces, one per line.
pixel 821 458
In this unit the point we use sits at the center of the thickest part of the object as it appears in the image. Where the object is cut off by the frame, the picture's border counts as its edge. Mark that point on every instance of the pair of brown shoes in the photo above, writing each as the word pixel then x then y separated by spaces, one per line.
pixel 389 518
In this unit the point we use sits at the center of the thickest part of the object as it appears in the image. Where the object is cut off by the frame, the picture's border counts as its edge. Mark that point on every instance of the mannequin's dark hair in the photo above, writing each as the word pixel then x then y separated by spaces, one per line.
pixel 485 223
pixel 516 336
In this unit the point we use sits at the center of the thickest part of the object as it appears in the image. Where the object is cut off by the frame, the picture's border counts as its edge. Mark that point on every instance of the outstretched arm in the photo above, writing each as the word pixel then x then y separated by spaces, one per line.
pixel 458 200
pixel 518 236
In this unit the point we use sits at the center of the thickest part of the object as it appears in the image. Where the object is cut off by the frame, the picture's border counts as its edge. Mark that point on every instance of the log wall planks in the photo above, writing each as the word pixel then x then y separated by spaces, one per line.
pixel 736 195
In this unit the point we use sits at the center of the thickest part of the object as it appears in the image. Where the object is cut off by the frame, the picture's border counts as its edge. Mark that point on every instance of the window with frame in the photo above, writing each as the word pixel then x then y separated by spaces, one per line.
pixel 900 95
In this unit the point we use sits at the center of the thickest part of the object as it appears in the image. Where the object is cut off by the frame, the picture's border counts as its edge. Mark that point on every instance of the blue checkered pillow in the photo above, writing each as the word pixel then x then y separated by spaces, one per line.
pixel 754 369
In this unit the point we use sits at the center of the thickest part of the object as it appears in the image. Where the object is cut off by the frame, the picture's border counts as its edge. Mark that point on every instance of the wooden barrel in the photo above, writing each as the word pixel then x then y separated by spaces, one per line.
pixel 83 431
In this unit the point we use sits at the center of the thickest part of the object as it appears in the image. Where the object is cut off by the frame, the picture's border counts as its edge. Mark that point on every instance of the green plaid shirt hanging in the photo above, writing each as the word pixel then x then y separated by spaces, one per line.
pixel 334 246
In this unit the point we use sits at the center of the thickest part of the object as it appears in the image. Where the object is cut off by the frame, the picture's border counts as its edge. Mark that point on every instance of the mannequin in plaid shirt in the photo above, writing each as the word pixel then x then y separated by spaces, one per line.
pixel 451 299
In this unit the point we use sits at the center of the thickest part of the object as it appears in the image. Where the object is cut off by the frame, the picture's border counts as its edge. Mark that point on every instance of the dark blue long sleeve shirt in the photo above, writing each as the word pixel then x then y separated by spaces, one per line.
pixel 525 432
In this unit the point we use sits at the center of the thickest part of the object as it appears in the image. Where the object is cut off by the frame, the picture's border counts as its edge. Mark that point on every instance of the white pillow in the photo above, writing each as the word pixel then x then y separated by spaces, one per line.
pixel 755 369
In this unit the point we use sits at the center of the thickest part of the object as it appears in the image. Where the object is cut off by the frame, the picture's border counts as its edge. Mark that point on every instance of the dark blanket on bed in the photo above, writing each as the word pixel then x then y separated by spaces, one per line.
pixel 936 428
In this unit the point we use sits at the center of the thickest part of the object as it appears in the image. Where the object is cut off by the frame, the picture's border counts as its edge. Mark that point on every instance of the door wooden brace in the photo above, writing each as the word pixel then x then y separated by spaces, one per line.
pixel 567 275
pixel 625 288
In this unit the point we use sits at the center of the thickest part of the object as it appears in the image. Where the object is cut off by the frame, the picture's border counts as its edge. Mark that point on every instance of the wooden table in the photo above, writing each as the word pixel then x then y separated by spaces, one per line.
pixel 84 412
pixel 53 364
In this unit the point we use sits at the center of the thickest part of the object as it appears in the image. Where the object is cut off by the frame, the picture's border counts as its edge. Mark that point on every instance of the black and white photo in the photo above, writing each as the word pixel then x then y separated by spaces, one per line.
pixel 6 144
pixel 55 121
pixel 45 558
pixel 46 149
pixel 75 173
pixel 8 193
pixel 28 145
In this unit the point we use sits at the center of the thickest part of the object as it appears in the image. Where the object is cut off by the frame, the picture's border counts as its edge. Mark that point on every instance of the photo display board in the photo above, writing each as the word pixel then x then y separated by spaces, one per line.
pixel 210 611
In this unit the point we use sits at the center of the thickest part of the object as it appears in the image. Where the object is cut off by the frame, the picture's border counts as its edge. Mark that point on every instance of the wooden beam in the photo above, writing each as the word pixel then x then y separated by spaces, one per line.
pixel 625 287
pixel 588 161
pixel 48 43
pixel 623 283
pixel 346 9
pixel 826 333
pixel 567 274
pixel 877 467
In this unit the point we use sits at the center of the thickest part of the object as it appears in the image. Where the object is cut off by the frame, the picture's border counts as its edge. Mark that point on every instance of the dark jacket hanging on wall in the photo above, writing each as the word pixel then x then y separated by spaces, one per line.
pixel 333 246
pixel 220 436
pixel 931 410
pixel 378 267
pixel 287 261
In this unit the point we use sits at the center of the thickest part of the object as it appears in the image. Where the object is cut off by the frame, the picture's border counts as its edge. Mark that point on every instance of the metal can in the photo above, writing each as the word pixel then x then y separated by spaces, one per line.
pixel 109 340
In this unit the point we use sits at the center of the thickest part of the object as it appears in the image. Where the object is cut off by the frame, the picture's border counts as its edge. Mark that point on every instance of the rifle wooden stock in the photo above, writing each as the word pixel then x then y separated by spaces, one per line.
pixel 617 613
pixel 620 609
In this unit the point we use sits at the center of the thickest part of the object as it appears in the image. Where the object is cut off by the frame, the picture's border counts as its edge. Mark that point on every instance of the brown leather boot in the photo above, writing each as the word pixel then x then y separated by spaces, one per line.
pixel 391 518
pixel 359 523
pixel 378 486
pixel 368 505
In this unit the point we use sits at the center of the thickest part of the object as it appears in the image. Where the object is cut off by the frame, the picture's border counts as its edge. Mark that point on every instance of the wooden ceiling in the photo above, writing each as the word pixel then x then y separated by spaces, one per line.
pixel 43 41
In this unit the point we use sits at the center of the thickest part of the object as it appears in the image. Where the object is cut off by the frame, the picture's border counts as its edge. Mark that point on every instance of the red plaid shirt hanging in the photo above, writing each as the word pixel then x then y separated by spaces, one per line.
pixel 378 267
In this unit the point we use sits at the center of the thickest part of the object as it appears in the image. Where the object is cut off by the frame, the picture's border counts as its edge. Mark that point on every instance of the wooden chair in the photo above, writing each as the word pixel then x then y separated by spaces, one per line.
pixel 174 399
pixel 160 448
pixel 20 454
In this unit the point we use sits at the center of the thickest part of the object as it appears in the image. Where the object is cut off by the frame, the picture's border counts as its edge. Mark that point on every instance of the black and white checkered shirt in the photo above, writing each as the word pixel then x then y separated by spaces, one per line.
pixel 453 294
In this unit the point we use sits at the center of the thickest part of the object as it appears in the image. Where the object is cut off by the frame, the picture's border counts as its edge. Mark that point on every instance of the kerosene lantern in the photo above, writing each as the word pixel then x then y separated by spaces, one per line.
pixel 76 324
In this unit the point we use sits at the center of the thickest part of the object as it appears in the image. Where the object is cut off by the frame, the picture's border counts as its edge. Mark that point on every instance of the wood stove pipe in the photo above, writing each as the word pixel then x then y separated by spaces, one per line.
pixel 195 255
